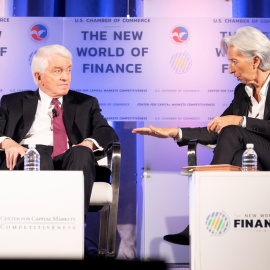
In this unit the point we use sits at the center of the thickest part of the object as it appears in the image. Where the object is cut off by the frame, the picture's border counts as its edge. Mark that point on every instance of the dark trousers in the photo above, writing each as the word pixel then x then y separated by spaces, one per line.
pixel 231 145
pixel 76 158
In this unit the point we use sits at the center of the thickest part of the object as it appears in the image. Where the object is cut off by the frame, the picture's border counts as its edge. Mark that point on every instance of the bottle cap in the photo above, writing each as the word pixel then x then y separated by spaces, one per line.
pixel 250 145
pixel 31 145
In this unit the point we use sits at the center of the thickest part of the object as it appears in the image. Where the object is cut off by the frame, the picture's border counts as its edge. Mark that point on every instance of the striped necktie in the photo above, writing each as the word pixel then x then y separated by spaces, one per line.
pixel 59 131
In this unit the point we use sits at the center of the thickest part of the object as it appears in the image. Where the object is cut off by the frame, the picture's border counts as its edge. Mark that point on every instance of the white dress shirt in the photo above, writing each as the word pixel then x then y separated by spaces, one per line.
pixel 256 110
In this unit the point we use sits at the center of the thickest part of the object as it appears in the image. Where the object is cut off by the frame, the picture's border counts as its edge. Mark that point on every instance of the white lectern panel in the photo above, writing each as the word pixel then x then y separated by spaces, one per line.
pixel 41 215
pixel 230 220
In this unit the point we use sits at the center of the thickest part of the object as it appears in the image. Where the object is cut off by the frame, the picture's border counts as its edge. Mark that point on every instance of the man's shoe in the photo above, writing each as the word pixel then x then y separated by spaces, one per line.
pixel 181 238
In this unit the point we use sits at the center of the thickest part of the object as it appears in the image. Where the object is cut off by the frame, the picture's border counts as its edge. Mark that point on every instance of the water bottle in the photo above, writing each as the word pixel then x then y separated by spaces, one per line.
pixel 32 159
pixel 249 159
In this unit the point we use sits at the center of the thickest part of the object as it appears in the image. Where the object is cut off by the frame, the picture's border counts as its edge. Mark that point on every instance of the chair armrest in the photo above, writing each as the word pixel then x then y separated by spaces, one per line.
pixel 105 158
pixel 111 159
pixel 115 160
pixel 192 151
pixel 115 180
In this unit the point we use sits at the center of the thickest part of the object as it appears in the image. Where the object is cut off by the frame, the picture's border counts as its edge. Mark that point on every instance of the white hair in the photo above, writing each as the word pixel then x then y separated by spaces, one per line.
pixel 40 60
pixel 250 42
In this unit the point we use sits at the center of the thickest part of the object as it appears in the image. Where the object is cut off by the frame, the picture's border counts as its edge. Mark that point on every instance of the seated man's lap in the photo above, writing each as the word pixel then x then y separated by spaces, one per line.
pixel 75 158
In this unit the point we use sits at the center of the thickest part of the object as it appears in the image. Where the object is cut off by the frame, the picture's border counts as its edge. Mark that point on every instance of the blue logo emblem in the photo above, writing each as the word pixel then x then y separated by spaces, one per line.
pixel 39 32
pixel 180 34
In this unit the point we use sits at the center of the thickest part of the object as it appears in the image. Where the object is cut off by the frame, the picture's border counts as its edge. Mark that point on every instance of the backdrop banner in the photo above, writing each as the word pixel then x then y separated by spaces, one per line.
pixel 140 69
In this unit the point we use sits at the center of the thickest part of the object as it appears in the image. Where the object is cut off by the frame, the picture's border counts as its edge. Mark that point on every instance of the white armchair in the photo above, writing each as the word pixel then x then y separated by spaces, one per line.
pixel 104 199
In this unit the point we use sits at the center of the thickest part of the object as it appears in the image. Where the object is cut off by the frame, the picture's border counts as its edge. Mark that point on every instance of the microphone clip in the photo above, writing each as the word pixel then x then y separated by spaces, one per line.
pixel 54 113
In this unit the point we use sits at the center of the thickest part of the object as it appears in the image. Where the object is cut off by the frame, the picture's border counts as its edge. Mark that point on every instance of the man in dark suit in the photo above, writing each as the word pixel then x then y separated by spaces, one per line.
pixel 246 120
pixel 27 118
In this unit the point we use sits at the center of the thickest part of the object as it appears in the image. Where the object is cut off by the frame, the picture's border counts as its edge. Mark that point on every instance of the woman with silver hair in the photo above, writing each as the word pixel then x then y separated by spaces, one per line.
pixel 246 120
pixel 260 45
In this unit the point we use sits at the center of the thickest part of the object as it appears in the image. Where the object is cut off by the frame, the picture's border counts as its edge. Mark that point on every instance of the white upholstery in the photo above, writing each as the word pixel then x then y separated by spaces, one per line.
pixel 103 161
pixel 101 194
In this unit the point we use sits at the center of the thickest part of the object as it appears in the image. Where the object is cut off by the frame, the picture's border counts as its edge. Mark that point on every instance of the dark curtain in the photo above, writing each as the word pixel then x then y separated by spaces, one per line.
pixel 251 8
pixel 74 8
pixel 117 8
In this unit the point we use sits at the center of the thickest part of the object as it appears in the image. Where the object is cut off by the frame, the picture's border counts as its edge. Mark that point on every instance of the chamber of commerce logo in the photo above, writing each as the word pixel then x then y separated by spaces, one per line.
pixel 180 34
pixel 39 32
pixel 181 62
pixel 217 223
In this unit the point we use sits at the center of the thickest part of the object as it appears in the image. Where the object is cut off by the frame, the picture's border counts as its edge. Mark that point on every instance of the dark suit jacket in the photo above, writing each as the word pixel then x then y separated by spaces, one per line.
pixel 81 115
pixel 239 106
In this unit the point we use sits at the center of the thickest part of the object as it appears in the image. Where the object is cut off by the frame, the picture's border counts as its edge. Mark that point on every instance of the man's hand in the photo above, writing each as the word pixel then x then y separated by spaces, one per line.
pixel 218 123
pixel 13 150
pixel 86 143
pixel 158 132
